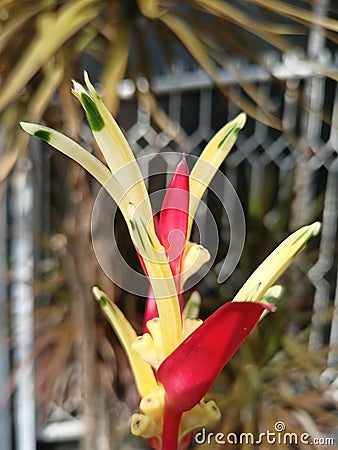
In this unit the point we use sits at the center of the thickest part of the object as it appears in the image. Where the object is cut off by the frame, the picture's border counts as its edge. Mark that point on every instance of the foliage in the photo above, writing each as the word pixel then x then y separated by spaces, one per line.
pixel 126 38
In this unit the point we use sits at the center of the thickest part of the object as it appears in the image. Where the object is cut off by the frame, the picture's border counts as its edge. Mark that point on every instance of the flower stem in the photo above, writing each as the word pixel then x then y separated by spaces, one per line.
pixel 171 424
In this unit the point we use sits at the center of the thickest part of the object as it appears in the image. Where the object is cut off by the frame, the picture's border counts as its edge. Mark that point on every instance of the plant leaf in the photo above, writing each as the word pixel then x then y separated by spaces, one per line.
pixel 115 67
pixel 65 23
pixel 240 17
pixel 286 9
pixel 37 106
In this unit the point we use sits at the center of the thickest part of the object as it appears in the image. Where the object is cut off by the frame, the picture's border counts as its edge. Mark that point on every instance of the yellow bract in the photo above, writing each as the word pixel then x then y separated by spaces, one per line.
pixel 275 264
pixel 115 149
pixel 143 374
pixel 124 182
pixel 210 160
pixel 162 282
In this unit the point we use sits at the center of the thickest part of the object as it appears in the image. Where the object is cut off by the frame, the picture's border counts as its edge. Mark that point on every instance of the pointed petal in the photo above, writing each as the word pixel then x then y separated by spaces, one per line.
pixel 143 373
pixel 174 216
pixel 275 264
pixel 79 154
pixel 190 370
pixel 115 148
pixel 70 148
pixel 211 158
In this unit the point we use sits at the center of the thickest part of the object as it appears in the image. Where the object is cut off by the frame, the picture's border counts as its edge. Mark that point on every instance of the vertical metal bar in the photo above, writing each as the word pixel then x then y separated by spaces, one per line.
pixel 316 85
pixel 332 359
pixel 205 109
pixel 311 120
pixel 5 410
pixel 326 257
pixel 317 37
pixel 315 96
pixel 22 302
pixel 333 352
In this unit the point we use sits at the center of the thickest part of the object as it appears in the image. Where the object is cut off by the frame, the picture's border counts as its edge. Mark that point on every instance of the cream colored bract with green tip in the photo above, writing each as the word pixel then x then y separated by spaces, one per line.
pixel 275 264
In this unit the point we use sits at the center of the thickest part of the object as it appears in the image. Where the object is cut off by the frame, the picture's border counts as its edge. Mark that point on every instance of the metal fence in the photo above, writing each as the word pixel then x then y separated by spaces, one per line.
pixel 304 173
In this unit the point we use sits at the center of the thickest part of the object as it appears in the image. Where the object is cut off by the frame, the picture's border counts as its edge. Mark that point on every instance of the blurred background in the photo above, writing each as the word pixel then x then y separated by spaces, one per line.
pixel 172 73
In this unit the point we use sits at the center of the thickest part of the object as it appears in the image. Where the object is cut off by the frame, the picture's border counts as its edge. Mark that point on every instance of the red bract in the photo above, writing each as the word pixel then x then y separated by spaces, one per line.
pixel 189 371
pixel 174 217
pixel 172 230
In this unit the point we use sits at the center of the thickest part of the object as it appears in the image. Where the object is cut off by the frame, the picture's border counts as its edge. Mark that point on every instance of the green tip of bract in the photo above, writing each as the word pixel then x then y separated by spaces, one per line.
pixel 99 296
pixel 94 117
pixel 235 127
pixel 36 130
pixel 272 295
pixel 240 120
pixel 43 134
pixel 89 85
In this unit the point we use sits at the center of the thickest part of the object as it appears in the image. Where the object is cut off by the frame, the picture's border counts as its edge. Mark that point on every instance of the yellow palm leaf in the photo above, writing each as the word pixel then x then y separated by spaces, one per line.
pixel 115 68
pixel 53 30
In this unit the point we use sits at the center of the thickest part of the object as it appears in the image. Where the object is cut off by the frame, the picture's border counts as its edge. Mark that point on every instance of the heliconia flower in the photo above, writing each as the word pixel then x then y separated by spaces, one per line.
pixel 178 357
